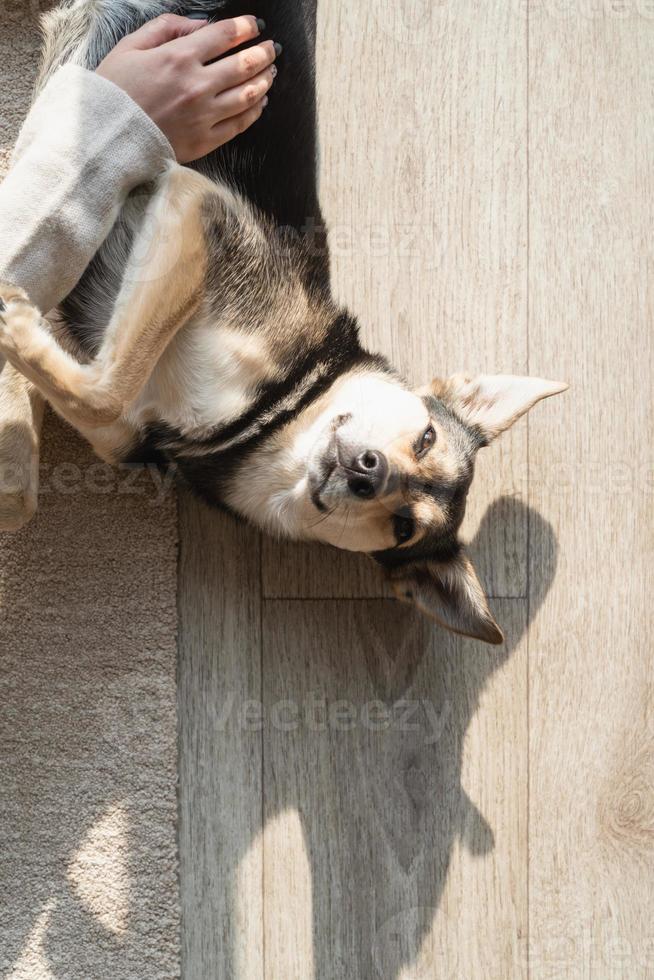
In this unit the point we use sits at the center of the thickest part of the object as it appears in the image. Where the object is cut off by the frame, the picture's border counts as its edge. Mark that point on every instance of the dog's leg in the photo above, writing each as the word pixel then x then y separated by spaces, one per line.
pixel 65 32
pixel 21 415
pixel 162 289
pixel 21 405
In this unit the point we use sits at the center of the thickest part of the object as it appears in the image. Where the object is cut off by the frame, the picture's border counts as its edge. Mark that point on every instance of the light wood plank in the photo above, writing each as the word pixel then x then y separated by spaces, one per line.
pixel 395 757
pixel 423 163
pixel 592 738
pixel 220 749
pixel 315 571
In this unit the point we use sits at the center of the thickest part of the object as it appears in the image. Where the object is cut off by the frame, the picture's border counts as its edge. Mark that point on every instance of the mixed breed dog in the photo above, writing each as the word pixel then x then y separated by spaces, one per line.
pixel 223 354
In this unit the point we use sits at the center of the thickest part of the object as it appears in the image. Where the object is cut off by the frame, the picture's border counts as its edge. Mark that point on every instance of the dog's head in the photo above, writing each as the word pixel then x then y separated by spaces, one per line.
pixel 385 470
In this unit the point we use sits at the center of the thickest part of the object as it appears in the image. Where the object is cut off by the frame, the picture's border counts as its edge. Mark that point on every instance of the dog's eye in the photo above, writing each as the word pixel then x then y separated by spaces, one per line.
pixel 427 441
pixel 403 527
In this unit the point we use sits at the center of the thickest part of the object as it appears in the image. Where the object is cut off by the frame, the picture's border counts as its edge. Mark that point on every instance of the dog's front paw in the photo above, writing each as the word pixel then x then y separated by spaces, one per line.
pixel 13 300
pixel 11 294
pixel 20 322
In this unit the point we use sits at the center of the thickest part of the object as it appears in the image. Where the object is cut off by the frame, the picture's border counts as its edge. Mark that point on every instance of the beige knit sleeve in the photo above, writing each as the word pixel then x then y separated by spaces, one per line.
pixel 84 146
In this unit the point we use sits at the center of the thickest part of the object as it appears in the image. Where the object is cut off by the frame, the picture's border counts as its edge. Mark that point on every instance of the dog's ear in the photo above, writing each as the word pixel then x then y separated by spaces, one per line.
pixel 491 403
pixel 450 593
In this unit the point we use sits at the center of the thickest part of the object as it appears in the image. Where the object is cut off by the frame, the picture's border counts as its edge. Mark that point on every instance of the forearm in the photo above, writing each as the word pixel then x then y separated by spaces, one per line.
pixel 84 146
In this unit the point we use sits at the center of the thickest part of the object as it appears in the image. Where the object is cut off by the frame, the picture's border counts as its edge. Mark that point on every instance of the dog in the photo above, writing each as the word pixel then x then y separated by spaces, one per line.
pixel 204 336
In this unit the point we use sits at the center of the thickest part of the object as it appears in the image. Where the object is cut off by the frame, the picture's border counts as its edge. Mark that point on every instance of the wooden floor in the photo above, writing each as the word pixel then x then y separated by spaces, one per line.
pixel 363 796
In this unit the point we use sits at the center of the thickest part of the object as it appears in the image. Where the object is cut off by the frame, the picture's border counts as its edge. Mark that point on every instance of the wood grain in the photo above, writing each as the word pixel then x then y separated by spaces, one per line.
pixel 592 737
pixel 425 193
pixel 395 756
pixel 220 748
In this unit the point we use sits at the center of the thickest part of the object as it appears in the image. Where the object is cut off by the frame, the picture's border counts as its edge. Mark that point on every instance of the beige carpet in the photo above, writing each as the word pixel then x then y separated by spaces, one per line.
pixel 88 857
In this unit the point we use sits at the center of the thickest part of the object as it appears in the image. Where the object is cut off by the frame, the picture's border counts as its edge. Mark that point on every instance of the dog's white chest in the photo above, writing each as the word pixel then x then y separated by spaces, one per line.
pixel 206 377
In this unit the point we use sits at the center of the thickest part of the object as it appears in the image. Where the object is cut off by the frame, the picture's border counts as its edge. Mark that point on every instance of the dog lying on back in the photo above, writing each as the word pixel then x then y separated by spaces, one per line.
pixel 223 354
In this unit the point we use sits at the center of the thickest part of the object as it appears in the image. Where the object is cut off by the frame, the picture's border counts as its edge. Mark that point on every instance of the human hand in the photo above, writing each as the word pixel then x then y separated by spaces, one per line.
pixel 198 106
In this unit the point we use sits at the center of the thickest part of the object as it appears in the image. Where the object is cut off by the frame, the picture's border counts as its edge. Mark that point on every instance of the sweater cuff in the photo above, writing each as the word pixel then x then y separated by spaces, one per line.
pixel 84 146
pixel 74 104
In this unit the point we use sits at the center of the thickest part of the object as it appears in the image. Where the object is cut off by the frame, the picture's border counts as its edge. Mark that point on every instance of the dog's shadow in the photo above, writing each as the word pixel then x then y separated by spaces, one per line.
pixel 366 710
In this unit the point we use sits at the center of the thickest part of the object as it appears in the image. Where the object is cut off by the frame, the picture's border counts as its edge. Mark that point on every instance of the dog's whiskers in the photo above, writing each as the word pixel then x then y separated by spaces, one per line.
pixel 347 518
pixel 323 517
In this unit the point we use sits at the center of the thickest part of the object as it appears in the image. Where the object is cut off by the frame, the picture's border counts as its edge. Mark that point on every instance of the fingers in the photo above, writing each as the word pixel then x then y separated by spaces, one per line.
pixel 229 128
pixel 242 67
pixel 237 100
pixel 161 30
pixel 216 39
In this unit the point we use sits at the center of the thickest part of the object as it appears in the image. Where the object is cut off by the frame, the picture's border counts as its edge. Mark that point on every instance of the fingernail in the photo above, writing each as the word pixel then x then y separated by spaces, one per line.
pixel 278 49
pixel 261 24
pixel 265 101
pixel 273 70
pixel 196 15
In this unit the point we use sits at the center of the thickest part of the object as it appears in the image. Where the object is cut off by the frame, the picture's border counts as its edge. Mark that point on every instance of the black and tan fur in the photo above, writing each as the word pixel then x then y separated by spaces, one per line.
pixel 203 335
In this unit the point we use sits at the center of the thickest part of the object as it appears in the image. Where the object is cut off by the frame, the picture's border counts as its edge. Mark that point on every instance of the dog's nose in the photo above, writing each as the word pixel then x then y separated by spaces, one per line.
pixel 367 474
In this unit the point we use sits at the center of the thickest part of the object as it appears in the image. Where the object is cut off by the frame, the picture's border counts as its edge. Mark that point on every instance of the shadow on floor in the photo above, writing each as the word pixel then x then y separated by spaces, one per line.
pixel 366 709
